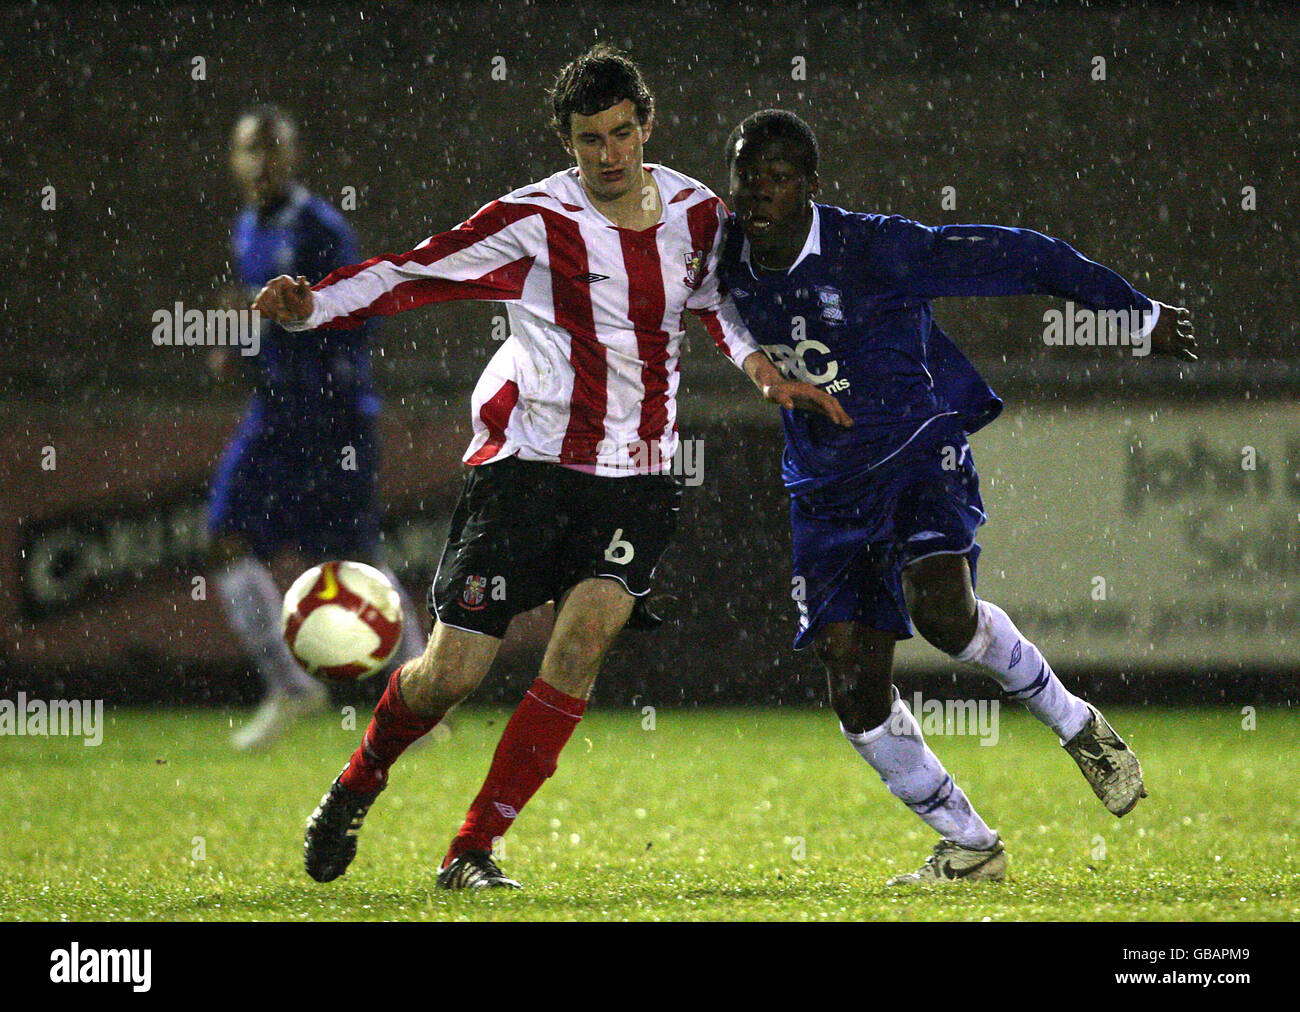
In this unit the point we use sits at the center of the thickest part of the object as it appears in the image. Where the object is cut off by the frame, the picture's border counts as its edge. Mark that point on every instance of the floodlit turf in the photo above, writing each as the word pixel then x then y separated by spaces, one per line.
pixel 713 814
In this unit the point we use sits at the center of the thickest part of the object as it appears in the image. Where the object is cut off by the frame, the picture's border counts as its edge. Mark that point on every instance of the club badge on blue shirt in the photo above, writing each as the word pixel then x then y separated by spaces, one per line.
pixel 832 309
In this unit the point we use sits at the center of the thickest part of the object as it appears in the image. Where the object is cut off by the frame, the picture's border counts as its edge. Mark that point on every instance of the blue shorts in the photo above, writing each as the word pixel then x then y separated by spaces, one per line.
pixel 315 493
pixel 852 541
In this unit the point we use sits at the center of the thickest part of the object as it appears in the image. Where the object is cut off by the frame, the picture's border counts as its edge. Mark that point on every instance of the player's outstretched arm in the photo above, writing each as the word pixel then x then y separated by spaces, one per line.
pixel 487 257
pixel 991 260
pixel 285 300
pixel 966 260
pixel 790 394
pixel 1173 333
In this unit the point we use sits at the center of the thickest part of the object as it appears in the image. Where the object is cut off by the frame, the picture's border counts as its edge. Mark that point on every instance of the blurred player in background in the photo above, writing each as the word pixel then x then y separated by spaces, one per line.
pixel 884 512
pixel 569 494
pixel 298 480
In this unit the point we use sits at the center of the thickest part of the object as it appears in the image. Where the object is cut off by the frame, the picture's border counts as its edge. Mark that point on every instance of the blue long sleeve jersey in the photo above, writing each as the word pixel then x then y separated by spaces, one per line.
pixel 303 382
pixel 852 316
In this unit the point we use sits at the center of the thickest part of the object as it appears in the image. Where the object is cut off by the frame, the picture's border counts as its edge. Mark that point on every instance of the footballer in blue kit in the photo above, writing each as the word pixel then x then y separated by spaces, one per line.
pixel 884 512
pixel 299 478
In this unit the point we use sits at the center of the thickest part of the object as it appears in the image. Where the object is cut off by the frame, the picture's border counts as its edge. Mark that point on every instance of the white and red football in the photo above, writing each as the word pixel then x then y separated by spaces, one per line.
pixel 342 621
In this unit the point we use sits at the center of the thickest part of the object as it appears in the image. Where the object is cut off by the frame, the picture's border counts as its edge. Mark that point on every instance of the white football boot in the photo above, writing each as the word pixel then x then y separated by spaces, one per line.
pixel 951 862
pixel 1110 767
pixel 277 713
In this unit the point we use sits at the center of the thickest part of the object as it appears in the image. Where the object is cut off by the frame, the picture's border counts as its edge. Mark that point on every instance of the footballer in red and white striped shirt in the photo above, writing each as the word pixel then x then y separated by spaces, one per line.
pixel 589 374
pixel 569 496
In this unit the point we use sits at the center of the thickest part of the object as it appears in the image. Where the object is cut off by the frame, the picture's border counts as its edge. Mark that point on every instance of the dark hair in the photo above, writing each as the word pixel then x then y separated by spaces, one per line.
pixel 600 77
pixel 776 126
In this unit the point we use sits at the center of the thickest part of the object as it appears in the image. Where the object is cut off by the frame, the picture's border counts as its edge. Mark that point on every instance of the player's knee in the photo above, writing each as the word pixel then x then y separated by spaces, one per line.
pixel 577 654
pixel 944 614
pixel 863 704
pixel 858 678
pixel 583 634
pixel 435 681
pixel 945 628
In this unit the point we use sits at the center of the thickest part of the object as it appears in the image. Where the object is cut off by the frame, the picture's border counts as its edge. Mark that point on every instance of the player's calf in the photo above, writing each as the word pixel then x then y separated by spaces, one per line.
pixel 331 839
pixel 1107 763
pixel 453 664
pixel 527 755
pixel 1016 664
pixel 590 617
pixel 858 663
pixel 897 751
pixel 941 601
pixel 393 728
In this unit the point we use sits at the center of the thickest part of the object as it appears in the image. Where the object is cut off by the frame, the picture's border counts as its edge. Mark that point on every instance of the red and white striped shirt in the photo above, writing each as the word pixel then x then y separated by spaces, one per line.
pixel 589 375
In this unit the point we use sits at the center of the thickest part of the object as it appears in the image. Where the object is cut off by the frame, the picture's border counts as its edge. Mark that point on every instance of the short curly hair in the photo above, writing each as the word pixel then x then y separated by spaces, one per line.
pixel 780 127
pixel 601 77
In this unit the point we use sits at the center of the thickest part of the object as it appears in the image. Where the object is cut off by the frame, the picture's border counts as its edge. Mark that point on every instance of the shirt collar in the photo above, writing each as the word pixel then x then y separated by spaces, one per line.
pixel 812 246
pixel 664 202
pixel 290 204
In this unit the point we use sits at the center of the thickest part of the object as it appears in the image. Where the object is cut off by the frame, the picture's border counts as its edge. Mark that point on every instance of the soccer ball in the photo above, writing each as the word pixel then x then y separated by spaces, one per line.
pixel 342 621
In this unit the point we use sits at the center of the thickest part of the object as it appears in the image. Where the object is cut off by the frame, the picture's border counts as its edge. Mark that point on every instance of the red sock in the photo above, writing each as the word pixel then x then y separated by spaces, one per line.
pixel 525 757
pixel 392 729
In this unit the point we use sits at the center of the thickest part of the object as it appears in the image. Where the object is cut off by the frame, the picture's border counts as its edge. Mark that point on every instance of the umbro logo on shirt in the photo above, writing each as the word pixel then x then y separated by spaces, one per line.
pixel 590 279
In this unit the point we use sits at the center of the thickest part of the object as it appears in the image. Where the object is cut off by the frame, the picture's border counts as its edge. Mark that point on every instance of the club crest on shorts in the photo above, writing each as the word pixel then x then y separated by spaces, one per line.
pixel 472 597
pixel 695 261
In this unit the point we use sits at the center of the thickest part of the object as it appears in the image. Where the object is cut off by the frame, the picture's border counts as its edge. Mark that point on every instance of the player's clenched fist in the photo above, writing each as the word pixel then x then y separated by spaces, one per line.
pixel 285 299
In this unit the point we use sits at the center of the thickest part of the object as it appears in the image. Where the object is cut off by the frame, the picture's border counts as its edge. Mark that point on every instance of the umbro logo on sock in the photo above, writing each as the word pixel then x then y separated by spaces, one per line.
pixel 506 810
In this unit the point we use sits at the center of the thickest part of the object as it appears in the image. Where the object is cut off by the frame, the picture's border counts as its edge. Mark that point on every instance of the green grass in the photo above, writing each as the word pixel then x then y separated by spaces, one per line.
pixel 698 819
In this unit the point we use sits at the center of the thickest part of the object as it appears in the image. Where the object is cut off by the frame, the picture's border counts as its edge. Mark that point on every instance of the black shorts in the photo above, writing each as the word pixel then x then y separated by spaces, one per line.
pixel 525 531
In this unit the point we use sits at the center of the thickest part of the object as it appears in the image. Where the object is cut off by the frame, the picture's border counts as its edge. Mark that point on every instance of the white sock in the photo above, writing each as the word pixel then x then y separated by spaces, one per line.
pixel 898 752
pixel 1022 671
pixel 413 640
pixel 252 603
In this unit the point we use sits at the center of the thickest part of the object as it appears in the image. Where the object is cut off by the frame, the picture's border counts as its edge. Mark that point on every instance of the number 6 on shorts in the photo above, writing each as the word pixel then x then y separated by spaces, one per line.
pixel 619 551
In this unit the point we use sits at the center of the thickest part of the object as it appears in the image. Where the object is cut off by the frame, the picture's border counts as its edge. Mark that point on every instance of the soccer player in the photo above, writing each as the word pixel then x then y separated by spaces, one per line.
pixel 569 495
pixel 884 513
pixel 298 478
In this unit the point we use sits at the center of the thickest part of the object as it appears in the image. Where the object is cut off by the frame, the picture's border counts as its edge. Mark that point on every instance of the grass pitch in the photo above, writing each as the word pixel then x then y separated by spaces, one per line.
pixel 713 814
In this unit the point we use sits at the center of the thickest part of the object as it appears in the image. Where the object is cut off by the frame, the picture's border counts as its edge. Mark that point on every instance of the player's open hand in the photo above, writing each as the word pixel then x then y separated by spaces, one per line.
pixel 285 299
pixel 806 397
pixel 1173 334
